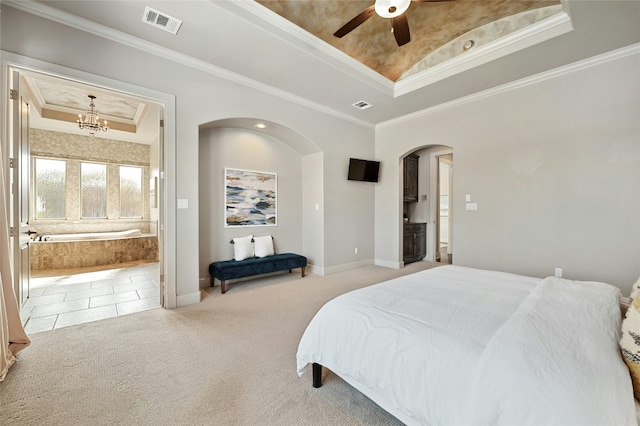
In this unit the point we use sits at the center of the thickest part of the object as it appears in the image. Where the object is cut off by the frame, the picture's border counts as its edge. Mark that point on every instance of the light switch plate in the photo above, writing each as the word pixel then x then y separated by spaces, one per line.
pixel 183 203
pixel 472 206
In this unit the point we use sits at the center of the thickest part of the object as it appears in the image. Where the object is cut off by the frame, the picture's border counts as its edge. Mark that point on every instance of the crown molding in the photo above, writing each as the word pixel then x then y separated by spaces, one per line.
pixel 539 32
pixel 613 55
pixel 70 20
pixel 276 25
pixel 255 13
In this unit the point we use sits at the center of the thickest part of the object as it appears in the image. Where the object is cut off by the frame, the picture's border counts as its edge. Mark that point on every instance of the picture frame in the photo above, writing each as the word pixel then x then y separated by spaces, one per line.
pixel 250 198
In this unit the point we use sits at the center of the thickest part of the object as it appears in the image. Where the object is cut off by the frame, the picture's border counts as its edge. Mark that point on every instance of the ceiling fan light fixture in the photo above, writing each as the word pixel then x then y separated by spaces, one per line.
pixel 391 8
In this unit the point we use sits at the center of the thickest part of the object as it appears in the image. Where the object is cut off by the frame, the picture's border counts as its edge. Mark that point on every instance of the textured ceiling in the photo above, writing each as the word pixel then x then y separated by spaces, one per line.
pixel 432 25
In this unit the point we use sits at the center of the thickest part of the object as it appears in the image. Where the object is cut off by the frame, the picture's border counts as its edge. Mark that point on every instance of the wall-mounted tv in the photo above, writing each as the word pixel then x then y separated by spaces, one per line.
pixel 363 170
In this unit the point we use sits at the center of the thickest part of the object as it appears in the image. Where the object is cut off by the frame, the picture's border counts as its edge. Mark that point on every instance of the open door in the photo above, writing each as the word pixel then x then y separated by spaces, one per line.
pixel 161 215
pixel 20 169
pixel 444 247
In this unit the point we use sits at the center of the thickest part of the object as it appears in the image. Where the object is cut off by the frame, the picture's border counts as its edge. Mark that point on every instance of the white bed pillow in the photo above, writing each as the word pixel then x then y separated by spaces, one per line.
pixel 263 246
pixel 243 248
pixel 630 344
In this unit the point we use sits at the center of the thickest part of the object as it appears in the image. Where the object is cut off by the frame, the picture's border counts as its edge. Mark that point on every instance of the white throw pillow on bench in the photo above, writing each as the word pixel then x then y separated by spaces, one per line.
pixel 263 246
pixel 243 248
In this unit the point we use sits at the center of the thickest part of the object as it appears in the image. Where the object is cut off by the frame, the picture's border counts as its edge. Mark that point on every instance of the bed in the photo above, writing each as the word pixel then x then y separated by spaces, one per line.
pixel 456 345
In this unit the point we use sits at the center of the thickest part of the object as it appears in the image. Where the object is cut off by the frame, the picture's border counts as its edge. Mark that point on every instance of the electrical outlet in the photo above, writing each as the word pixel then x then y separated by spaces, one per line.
pixel 558 272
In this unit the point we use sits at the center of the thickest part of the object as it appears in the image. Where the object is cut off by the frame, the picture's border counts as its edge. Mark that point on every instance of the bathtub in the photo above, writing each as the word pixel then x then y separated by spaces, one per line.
pixel 90 236
pixel 65 251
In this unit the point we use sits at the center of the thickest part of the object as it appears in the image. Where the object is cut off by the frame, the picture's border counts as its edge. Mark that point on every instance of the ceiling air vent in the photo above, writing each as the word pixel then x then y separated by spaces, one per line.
pixel 161 20
pixel 362 105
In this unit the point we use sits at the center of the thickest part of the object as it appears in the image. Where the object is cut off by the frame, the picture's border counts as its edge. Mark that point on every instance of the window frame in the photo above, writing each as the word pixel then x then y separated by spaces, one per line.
pixel 106 191
pixel 35 188
pixel 141 201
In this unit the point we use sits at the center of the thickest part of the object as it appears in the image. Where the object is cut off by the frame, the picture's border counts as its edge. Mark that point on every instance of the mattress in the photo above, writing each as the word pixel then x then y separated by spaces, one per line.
pixel 462 345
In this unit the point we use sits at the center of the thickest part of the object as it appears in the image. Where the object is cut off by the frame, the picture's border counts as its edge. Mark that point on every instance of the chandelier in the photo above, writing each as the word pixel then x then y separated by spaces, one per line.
pixel 90 121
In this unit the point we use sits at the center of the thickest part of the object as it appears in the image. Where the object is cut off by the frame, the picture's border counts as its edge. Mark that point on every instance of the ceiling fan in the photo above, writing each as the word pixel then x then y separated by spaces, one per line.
pixel 390 9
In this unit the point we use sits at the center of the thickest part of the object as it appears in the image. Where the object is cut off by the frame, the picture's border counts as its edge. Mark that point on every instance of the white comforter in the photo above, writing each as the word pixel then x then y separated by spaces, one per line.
pixel 456 345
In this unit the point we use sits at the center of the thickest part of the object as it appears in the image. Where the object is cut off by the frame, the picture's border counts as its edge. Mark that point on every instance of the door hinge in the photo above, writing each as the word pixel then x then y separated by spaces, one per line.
pixel 11 163
pixel 161 123
pixel 13 94
pixel 12 231
pixel 162 278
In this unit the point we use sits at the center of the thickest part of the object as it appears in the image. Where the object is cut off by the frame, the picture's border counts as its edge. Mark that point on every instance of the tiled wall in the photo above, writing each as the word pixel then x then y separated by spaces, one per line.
pixel 75 149
pixel 47 255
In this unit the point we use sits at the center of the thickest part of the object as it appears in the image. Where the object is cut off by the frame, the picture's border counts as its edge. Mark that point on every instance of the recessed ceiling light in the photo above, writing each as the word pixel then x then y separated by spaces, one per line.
pixel 261 126
pixel 468 45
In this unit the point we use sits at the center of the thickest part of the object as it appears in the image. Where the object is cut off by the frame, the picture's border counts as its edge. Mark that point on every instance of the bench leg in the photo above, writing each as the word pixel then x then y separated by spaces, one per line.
pixel 302 271
pixel 212 282
pixel 223 288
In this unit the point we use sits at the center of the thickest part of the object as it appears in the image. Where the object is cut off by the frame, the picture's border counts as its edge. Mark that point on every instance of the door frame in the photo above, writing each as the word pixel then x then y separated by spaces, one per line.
pixel 19 169
pixel 434 183
pixel 166 187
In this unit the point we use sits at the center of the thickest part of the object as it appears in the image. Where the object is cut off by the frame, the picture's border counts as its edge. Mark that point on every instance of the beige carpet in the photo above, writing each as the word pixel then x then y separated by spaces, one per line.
pixel 229 360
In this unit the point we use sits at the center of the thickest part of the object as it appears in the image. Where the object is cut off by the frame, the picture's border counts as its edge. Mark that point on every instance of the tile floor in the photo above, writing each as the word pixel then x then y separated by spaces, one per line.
pixel 79 296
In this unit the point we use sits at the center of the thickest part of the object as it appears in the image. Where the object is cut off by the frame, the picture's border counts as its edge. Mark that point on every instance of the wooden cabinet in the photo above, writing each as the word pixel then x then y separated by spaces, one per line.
pixel 411 178
pixel 414 242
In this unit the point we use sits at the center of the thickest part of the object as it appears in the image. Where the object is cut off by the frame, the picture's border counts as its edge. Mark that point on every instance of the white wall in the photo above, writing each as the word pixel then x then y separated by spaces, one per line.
pixel 313 212
pixel 248 150
pixel 554 166
pixel 202 97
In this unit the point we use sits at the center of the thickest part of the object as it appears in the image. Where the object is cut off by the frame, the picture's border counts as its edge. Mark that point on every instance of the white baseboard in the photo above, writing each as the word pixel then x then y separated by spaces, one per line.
pixel 188 299
pixel 315 270
pixel 389 264
pixel 347 266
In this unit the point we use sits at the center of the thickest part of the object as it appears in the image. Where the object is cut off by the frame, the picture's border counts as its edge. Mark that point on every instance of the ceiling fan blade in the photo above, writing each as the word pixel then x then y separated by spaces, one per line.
pixel 401 29
pixel 355 22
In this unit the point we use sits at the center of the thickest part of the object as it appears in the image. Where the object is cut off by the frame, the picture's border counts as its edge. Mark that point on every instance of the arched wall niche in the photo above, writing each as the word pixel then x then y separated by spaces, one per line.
pixel 289 136
pixel 274 148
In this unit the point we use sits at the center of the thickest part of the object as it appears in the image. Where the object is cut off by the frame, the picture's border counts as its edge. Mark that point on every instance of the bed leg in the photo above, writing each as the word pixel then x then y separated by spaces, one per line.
pixel 223 288
pixel 317 375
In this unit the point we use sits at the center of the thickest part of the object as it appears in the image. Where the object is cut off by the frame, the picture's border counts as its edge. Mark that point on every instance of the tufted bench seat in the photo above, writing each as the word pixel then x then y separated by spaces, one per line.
pixel 231 269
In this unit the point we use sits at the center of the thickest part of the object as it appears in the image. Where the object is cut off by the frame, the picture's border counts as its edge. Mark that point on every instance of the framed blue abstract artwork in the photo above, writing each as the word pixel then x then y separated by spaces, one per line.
pixel 250 198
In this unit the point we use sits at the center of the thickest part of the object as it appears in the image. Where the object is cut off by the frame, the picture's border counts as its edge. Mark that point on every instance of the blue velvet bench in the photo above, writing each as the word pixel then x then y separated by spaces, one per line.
pixel 232 269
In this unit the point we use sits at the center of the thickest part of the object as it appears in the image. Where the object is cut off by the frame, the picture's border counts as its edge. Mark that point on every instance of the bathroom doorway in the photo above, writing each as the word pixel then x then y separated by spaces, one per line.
pixel 73 286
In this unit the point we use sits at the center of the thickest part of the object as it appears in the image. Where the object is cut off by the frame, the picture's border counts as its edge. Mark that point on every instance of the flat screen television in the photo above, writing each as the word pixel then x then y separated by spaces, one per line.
pixel 363 170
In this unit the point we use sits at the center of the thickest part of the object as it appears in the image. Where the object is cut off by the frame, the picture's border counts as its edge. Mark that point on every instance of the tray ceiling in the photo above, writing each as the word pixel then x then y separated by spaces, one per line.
pixel 434 26
pixel 287 48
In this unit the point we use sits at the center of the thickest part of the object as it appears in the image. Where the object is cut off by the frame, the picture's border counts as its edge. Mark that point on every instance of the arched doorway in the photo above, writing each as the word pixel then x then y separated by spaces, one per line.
pixel 427 205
